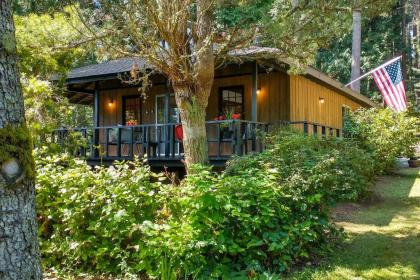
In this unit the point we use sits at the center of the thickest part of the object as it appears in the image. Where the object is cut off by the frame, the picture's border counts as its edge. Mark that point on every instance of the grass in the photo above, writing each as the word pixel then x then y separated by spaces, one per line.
pixel 383 234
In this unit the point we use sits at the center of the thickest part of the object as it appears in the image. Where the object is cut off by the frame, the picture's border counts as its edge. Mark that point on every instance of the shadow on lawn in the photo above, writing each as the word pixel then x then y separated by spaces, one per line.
pixel 372 251
pixel 390 197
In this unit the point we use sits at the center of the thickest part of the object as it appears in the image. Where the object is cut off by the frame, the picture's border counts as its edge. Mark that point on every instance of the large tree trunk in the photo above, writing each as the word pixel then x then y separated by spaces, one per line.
pixel 19 252
pixel 356 45
pixel 192 98
pixel 193 118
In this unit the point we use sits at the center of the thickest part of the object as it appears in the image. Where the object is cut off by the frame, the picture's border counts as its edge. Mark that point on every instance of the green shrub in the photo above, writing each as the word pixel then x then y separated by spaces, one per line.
pixel 90 219
pixel 250 222
pixel 125 219
pixel 266 212
pixel 383 133
pixel 337 167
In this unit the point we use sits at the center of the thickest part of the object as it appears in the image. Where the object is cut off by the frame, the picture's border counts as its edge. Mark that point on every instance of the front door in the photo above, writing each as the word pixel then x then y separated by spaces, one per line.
pixel 166 113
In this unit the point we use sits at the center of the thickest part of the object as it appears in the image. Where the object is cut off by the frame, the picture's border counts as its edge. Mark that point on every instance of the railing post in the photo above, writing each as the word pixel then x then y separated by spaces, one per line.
pixel 253 138
pixel 305 128
pixel 315 129
pixel 245 142
pixel 131 152
pixel 106 142
pixel 218 139
pixel 172 140
pixel 84 135
pixel 119 142
pixel 323 132
pixel 238 137
pixel 158 136
pixel 147 141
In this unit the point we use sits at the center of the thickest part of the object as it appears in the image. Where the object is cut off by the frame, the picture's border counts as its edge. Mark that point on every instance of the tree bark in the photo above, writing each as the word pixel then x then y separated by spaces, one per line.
pixel 356 45
pixel 404 39
pixel 19 251
pixel 192 98
pixel 193 118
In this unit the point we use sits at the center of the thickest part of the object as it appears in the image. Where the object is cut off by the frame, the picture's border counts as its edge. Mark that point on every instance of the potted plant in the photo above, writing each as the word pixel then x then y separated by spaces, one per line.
pixel 414 160
pixel 226 128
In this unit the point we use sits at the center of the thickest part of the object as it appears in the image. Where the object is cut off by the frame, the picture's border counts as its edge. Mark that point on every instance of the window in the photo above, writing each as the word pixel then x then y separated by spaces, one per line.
pixel 231 100
pixel 131 110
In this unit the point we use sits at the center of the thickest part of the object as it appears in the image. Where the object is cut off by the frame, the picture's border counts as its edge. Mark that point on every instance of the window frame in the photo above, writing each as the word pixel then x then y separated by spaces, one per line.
pixel 238 88
pixel 123 109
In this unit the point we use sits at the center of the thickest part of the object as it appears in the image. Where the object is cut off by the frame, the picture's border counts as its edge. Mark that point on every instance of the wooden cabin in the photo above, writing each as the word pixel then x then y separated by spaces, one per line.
pixel 260 91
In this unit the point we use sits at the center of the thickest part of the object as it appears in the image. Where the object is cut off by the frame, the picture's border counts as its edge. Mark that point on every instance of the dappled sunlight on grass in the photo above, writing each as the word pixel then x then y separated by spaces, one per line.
pixel 415 191
pixel 383 240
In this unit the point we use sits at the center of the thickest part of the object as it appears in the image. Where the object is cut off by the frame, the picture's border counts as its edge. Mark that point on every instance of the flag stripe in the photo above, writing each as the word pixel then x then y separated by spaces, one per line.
pixel 380 86
pixel 400 96
pixel 393 102
pixel 389 81
pixel 393 90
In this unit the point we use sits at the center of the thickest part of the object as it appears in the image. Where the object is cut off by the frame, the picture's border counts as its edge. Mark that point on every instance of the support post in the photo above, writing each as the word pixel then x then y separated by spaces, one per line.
pixel 96 121
pixel 254 108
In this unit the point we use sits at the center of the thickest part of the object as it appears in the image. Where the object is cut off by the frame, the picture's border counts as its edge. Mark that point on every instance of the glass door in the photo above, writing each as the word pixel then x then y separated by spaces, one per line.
pixel 166 113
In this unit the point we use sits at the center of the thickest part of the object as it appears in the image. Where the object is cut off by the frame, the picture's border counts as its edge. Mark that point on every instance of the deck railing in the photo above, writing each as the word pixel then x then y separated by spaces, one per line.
pixel 160 142
pixel 316 129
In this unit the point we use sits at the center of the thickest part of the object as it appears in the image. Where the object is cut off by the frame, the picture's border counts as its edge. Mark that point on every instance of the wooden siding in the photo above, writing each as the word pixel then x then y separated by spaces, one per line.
pixel 305 102
pixel 273 100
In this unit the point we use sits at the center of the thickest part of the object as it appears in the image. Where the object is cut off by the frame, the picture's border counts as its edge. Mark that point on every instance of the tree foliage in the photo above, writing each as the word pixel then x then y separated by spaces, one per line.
pixel 49 46
pixel 381 41
pixel 383 133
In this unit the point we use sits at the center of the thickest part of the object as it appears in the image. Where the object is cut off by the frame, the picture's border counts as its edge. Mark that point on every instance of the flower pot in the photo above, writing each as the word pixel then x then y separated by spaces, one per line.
pixel 225 133
pixel 414 162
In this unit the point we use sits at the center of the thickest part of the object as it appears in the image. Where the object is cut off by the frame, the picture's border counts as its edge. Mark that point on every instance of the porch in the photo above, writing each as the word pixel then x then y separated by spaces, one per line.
pixel 161 144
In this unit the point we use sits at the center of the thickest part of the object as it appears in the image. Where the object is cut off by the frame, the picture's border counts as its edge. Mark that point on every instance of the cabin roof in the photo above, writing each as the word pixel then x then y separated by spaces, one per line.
pixel 104 69
pixel 111 69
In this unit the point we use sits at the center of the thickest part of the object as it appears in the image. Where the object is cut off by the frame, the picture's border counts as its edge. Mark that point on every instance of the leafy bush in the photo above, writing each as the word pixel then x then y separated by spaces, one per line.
pixel 248 222
pixel 266 212
pixel 337 167
pixel 89 219
pixel 383 133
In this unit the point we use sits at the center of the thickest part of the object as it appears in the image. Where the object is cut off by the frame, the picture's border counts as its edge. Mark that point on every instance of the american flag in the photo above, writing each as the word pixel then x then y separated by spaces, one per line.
pixel 390 82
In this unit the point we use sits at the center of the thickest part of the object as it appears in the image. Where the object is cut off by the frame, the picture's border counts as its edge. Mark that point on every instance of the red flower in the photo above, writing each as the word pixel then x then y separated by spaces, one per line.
pixel 236 116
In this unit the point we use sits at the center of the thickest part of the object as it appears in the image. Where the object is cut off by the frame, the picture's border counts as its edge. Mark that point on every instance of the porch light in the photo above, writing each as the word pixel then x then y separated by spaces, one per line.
pixel 111 102
pixel 258 91
pixel 321 100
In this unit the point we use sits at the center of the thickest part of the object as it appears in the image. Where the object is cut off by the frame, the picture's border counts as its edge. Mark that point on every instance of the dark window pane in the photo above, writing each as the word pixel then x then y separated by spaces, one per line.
pixel 132 110
pixel 232 100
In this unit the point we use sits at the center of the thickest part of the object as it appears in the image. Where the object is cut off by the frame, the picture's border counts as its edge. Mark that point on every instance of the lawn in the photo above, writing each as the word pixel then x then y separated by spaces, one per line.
pixel 383 234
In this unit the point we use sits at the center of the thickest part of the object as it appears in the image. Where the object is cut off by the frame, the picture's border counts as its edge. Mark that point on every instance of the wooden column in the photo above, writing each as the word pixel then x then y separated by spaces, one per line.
pixel 96 120
pixel 254 108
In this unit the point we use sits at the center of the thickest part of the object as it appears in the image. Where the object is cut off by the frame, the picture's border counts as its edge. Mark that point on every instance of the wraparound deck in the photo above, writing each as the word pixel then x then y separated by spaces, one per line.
pixel 162 144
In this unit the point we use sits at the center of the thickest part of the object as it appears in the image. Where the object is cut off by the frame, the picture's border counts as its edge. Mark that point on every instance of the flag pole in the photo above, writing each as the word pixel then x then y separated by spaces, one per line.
pixel 371 71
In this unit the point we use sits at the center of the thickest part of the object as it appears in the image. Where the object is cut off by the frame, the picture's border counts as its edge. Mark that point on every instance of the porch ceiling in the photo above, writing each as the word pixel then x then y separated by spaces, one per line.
pixel 81 93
